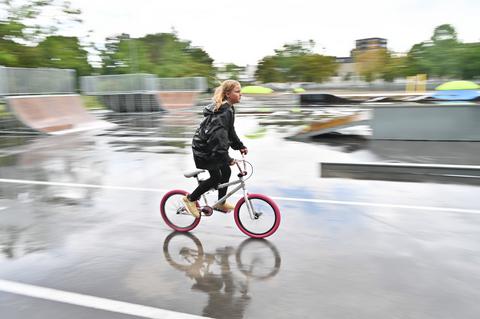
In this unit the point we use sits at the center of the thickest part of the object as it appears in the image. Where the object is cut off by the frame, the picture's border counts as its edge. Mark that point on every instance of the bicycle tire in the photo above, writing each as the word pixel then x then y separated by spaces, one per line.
pixel 266 225
pixel 174 213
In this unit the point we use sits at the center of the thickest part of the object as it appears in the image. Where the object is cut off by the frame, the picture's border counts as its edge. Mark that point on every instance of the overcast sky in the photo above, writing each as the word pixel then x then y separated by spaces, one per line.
pixel 244 31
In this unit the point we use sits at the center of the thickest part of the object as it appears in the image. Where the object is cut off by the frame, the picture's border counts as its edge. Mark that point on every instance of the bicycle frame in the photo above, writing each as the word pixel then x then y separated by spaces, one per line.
pixel 242 186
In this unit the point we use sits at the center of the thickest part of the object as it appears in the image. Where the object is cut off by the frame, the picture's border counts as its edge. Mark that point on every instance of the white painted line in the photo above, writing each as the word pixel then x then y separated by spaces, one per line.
pixel 291 199
pixel 91 301
pixel 126 188
pixel 335 202
pixel 2 208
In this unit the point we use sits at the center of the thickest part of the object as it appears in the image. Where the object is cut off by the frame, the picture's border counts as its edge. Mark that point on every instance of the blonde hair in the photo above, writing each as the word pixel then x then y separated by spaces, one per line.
pixel 220 92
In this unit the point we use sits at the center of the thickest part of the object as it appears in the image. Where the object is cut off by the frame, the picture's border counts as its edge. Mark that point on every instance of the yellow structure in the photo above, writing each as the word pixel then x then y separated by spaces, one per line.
pixel 416 83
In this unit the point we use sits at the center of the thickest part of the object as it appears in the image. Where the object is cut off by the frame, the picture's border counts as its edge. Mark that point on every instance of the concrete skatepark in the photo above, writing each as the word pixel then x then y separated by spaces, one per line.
pixel 81 234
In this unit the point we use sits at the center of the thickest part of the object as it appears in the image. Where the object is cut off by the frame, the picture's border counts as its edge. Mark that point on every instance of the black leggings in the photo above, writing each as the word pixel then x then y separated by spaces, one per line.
pixel 218 176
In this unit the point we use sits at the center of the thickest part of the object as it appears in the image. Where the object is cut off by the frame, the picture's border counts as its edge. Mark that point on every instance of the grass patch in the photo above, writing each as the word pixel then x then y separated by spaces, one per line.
pixel 3 110
pixel 92 102
pixel 256 89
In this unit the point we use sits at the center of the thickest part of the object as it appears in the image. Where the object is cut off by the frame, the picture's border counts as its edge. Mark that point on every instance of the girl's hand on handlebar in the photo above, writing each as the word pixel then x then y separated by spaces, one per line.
pixel 244 151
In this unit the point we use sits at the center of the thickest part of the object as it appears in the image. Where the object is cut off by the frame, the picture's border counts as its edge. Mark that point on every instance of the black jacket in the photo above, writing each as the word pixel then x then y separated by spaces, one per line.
pixel 214 136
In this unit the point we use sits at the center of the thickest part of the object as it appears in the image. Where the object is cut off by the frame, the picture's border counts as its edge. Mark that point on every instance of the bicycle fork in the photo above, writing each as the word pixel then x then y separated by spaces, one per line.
pixel 251 211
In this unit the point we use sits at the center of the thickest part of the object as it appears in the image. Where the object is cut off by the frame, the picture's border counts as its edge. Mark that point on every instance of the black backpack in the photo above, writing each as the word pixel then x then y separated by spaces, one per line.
pixel 200 142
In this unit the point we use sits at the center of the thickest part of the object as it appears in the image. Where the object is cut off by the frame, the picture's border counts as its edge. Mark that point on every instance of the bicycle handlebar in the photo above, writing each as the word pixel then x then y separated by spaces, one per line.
pixel 244 171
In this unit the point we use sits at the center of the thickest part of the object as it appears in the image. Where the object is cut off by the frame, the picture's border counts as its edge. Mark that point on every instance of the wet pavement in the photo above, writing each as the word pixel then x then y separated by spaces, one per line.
pixel 344 249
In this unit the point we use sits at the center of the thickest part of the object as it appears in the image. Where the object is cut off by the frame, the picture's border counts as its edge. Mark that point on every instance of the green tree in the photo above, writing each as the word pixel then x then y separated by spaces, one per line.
pixel 119 54
pixel 64 53
pixel 312 68
pixel 268 70
pixel 233 71
pixel 21 29
pixel 439 57
pixel 162 54
pixel 395 67
pixel 371 63
pixel 296 62
pixel 469 61
pixel 22 23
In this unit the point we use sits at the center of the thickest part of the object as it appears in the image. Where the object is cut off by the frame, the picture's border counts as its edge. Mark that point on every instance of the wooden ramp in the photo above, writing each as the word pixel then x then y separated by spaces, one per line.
pixel 177 99
pixel 54 114
pixel 333 124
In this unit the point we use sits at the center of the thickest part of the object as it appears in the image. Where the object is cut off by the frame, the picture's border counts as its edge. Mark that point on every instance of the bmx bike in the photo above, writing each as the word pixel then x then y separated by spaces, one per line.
pixel 256 215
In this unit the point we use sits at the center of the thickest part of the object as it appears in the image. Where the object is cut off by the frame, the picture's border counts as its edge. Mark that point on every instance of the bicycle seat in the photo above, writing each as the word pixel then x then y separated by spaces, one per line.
pixel 194 173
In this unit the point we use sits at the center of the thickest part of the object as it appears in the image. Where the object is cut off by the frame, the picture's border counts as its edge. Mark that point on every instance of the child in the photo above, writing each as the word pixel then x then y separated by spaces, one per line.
pixel 211 142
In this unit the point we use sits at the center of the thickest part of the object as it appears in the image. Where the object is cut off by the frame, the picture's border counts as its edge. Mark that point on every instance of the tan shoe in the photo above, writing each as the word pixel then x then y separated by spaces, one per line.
pixel 224 208
pixel 191 207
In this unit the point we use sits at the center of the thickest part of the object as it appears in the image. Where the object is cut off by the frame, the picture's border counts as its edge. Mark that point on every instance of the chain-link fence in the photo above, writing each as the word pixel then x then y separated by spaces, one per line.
pixel 25 81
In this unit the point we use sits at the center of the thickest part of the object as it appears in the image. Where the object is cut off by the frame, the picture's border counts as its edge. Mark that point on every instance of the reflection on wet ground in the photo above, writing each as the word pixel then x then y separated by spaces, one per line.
pixel 212 273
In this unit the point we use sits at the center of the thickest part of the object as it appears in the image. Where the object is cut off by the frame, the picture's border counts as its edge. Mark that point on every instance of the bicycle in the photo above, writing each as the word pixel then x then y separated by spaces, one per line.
pixel 256 215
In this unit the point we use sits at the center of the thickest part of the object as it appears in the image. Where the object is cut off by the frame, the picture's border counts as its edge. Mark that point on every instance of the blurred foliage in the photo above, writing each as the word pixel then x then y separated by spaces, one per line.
pixel 21 21
pixel 24 42
pixel 64 53
pixel 3 110
pixel 233 71
pixel 369 63
pixel 443 56
pixel 27 40
pixel 296 62
pixel 162 54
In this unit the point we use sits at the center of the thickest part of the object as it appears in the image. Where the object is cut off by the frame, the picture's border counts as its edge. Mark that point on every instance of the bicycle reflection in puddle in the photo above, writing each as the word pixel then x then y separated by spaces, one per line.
pixel 228 293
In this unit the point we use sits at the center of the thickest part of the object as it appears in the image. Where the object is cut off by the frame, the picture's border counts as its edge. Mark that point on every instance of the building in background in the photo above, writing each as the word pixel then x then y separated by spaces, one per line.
pixel 370 43
pixel 346 70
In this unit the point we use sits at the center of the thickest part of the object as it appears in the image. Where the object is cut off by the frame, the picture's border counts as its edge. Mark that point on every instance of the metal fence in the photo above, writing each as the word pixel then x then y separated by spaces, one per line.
pixel 139 83
pixel 117 84
pixel 194 84
pixel 24 81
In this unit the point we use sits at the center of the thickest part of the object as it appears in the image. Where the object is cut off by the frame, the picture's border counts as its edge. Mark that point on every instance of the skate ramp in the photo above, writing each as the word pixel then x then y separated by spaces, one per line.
pixel 313 99
pixel 54 114
pixel 329 125
pixel 170 100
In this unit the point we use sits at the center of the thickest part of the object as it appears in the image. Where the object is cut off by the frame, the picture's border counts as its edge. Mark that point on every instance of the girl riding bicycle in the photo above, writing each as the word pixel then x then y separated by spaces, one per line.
pixel 211 142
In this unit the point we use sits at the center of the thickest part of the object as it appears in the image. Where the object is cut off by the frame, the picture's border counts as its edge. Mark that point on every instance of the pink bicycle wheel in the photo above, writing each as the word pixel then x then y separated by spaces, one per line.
pixel 265 219
pixel 174 212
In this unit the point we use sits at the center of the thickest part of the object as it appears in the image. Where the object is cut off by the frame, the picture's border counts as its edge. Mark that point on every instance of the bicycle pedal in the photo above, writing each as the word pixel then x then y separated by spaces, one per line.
pixel 207 211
